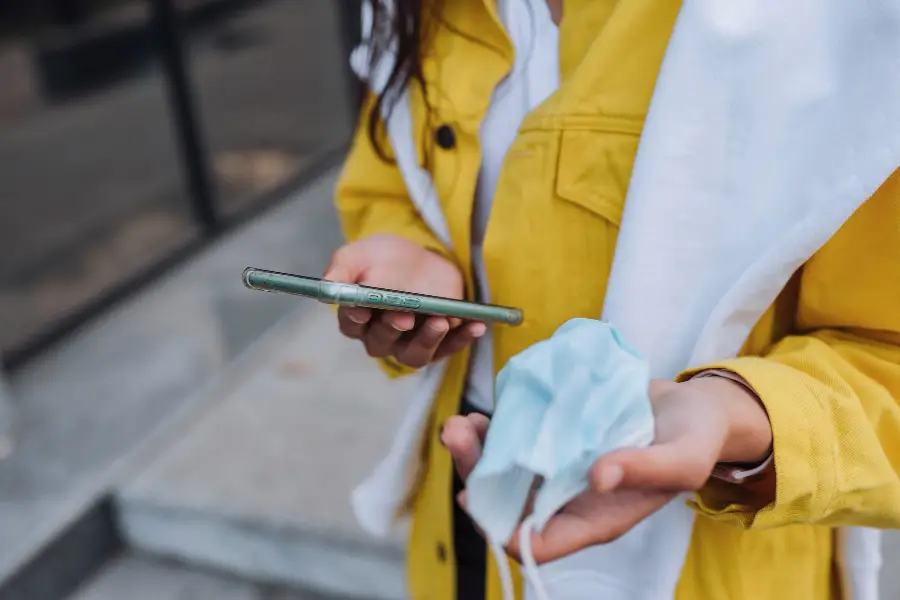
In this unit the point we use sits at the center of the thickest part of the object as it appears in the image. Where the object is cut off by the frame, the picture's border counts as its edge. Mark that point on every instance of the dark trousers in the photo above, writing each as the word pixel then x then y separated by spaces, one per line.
pixel 470 548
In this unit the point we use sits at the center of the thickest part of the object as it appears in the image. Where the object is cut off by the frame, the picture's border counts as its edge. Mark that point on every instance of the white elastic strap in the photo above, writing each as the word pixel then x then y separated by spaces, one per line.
pixel 509 592
pixel 526 531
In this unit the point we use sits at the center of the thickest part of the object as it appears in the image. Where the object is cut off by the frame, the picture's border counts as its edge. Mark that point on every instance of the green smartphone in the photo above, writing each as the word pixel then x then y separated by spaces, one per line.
pixel 348 294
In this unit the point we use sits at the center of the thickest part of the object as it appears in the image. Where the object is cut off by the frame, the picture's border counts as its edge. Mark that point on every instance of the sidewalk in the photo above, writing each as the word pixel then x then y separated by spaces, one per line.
pixel 260 485
pixel 7 418
pixel 142 578
pixel 86 407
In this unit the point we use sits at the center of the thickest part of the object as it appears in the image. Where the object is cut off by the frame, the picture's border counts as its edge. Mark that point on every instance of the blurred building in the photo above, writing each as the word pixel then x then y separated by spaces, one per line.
pixel 134 131
pixel 150 150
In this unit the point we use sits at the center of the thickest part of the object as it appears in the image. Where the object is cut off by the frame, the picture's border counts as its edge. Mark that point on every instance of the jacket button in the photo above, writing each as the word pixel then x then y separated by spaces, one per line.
pixel 445 137
pixel 442 552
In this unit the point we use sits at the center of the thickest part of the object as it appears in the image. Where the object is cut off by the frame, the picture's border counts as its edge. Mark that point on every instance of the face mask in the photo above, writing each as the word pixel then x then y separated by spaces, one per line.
pixel 561 404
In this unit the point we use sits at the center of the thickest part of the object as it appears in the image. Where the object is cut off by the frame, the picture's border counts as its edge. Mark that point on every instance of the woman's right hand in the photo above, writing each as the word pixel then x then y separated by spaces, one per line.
pixel 392 262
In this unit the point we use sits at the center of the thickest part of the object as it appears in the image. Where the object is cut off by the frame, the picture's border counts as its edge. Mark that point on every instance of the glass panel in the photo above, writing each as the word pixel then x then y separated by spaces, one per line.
pixel 91 192
pixel 272 94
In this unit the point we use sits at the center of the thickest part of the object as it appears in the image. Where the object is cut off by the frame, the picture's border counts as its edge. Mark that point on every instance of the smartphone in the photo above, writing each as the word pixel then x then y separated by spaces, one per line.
pixel 349 294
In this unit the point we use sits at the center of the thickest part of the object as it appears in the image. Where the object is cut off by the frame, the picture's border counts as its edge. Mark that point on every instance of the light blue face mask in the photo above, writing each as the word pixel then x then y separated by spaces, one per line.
pixel 561 405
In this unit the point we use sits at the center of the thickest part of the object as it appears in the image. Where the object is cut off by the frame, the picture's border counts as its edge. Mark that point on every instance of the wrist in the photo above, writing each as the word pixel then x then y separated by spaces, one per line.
pixel 748 436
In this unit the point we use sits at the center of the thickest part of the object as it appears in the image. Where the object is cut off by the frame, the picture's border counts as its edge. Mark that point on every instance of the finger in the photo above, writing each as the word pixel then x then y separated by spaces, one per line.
pixel 354 321
pixel 458 428
pixel 669 467
pixel 464 438
pixel 382 335
pixel 563 535
pixel 481 424
pixel 570 530
pixel 404 321
pixel 460 338
pixel 420 349
pixel 345 266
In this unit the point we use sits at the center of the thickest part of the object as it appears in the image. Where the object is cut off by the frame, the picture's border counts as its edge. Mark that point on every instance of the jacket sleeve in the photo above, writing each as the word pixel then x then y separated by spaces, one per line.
pixel 832 392
pixel 371 198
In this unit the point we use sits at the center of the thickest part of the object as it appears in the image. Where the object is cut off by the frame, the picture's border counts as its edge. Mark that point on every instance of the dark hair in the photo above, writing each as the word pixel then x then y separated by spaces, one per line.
pixel 403 25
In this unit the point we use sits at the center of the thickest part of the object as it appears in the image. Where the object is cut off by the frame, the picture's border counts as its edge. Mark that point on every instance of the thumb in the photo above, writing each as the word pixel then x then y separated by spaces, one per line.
pixel 345 266
pixel 664 467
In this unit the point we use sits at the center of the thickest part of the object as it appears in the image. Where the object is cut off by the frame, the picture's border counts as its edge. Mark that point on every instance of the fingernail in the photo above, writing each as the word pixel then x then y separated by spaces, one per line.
pixel 356 319
pixel 397 321
pixel 438 326
pixel 610 478
pixel 479 330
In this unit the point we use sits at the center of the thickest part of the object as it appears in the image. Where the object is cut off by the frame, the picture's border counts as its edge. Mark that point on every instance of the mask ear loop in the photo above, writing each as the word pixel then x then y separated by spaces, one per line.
pixel 506 583
pixel 526 531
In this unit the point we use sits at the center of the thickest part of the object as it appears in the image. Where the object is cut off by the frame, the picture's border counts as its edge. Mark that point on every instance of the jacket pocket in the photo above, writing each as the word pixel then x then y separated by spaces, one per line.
pixel 594 169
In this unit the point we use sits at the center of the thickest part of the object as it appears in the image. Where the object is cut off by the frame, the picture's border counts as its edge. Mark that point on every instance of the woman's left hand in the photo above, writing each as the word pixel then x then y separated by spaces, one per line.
pixel 699 423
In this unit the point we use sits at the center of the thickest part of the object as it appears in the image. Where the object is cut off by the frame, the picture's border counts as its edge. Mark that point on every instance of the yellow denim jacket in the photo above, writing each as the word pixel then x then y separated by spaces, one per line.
pixel 825 358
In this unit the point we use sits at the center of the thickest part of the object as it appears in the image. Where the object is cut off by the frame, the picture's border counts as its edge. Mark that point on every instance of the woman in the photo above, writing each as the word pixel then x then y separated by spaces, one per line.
pixel 493 162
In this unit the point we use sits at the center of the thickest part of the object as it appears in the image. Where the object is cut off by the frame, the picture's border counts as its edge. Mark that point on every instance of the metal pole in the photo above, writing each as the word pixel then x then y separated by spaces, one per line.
pixel 350 22
pixel 7 418
pixel 168 34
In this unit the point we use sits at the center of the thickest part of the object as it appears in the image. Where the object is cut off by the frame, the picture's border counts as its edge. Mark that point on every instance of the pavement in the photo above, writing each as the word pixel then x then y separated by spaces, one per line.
pixel 90 404
pixel 260 483
pixel 7 441
pixel 137 577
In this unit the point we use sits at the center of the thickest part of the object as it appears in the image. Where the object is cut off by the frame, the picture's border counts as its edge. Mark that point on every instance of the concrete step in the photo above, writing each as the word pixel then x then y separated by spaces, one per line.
pixel 86 408
pixel 143 578
pixel 260 486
